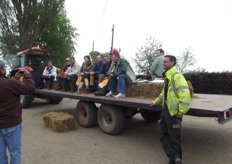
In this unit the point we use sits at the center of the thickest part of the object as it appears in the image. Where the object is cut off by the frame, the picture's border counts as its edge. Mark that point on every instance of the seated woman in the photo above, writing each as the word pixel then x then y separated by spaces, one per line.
pixel 84 75
pixel 49 74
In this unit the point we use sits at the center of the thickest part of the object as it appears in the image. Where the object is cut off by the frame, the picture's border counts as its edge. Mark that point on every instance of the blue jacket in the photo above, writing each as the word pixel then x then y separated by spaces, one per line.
pixel 98 68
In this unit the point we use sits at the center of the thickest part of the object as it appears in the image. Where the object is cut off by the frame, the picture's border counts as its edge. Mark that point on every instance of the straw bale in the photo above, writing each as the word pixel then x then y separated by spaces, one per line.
pixel 150 89
pixel 144 90
pixel 59 121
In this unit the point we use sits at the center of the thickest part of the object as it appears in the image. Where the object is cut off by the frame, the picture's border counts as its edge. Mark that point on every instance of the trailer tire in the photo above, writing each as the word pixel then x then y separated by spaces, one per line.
pixel 150 116
pixel 54 99
pixel 26 100
pixel 111 119
pixel 86 114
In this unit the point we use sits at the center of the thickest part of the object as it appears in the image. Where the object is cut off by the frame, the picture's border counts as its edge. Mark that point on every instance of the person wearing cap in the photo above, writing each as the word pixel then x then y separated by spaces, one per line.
pixel 11 112
pixel 61 80
pixel 71 73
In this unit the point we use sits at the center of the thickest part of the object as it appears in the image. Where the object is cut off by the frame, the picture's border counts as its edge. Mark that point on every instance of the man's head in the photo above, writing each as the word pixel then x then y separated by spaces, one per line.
pixel 115 57
pixel 49 63
pixel 67 61
pixel 2 67
pixel 106 58
pixel 72 60
pixel 169 61
pixel 159 52
pixel 99 58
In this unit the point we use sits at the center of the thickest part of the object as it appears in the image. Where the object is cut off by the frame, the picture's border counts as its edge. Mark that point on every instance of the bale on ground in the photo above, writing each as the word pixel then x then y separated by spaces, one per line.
pixel 59 121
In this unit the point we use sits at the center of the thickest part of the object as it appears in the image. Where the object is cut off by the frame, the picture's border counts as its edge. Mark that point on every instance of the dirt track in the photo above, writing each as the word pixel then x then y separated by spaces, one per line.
pixel 204 141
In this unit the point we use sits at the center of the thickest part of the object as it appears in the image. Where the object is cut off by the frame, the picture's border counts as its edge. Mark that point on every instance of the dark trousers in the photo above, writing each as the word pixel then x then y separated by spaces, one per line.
pixel 73 79
pixel 63 83
pixel 170 135
pixel 49 80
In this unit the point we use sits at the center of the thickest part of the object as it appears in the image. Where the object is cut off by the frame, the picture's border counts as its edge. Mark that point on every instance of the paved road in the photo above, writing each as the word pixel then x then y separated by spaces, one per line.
pixel 204 141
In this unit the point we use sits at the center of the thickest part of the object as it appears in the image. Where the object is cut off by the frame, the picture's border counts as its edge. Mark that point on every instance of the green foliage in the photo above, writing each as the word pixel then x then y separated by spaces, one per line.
pixel 58 38
pixel 145 55
pixel 93 55
pixel 24 24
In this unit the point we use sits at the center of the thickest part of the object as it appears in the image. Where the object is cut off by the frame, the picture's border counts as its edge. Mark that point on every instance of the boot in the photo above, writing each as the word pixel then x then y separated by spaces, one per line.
pixel 79 87
pixel 87 84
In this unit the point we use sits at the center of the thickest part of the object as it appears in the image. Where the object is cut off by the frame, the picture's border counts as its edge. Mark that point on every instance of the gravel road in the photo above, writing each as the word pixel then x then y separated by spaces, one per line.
pixel 204 141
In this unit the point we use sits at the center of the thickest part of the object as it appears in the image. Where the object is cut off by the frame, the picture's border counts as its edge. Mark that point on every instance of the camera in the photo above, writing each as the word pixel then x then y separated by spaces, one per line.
pixel 21 72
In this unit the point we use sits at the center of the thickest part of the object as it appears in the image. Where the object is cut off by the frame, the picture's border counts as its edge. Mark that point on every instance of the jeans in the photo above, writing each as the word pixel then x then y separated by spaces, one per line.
pixel 11 138
pixel 170 135
pixel 120 81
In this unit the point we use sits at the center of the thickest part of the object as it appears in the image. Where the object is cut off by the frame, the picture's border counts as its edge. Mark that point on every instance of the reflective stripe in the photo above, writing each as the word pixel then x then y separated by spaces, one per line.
pixel 179 88
pixel 184 103
pixel 181 103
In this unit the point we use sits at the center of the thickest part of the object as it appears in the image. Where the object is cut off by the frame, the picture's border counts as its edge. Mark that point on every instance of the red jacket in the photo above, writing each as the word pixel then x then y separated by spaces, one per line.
pixel 10 91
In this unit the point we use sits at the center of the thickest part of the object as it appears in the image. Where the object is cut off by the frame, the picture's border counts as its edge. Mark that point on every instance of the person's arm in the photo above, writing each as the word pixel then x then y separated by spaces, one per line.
pixel 23 88
pixel 76 69
pixel 45 71
pixel 53 72
pixel 122 68
pixel 183 93
pixel 153 66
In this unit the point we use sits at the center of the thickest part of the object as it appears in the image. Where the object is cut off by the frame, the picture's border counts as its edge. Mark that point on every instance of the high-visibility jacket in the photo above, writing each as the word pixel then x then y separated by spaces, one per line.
pixel 178 95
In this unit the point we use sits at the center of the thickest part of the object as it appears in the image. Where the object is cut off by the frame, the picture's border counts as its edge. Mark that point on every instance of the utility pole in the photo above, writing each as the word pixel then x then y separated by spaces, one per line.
pixel 93 46
pixel 112 41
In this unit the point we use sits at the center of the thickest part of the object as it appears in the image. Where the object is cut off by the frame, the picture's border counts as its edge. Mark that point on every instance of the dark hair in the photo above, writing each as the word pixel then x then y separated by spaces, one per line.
pixel 171 58
pixel 87 56
pixel 160 50
pixel 72 57
pixel 48 61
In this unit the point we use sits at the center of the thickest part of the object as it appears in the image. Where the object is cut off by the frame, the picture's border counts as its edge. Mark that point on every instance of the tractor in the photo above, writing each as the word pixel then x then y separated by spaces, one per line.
pixel 36 59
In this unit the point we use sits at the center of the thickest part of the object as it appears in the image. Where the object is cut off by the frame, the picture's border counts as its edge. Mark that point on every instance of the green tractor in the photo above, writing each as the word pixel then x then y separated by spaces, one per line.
pixel 36 59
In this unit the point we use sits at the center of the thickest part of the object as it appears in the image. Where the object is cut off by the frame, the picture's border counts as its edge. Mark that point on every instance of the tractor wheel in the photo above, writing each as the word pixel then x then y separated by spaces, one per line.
pixel 111 119
pixel 26 100
pixel 54 100
pixel 86 114
pixel 150 116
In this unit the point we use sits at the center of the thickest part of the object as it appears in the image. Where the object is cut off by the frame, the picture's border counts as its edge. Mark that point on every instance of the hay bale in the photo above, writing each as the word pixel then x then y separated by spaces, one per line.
pixel 144 90
pixel 59 121
pixel 150 89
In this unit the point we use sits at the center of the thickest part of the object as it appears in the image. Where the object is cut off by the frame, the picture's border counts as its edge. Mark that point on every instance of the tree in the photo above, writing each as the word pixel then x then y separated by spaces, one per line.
pixel 145 55
pixel 22 21
pixel 186 59
pixel 59 38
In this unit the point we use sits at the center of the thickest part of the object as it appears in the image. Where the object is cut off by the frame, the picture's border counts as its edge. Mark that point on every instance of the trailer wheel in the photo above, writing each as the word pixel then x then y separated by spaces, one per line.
pixel 150 116
pixel 86 114
pixel 54 99
pixel 111 119
pixel 26 100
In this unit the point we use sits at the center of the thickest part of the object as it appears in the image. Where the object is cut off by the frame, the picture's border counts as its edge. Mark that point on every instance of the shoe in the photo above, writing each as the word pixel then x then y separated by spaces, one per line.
pixel 120 95
pixel 178 161
pixel 99 93
pixel 109 94
pixel 79 91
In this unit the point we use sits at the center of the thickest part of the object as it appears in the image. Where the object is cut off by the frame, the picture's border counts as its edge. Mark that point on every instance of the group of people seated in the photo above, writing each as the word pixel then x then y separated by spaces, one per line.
pixel 108 77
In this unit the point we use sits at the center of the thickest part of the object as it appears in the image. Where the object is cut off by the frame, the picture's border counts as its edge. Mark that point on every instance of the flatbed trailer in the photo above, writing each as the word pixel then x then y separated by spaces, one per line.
pixel 112 112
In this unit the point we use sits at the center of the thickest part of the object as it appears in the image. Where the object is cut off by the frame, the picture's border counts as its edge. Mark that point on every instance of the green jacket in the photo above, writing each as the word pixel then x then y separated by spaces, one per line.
pixel 178 95
pixel 123 67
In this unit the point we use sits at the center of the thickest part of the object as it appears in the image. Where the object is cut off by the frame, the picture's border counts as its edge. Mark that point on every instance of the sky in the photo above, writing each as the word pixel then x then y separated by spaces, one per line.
pixel 203 25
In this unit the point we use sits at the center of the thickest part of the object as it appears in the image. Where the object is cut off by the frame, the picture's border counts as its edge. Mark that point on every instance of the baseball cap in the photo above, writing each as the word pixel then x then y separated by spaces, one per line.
pixel 2 63
pixel 66 59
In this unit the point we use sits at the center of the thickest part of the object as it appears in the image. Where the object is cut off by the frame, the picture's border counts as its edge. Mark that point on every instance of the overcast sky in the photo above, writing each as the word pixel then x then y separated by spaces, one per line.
pixel 205 25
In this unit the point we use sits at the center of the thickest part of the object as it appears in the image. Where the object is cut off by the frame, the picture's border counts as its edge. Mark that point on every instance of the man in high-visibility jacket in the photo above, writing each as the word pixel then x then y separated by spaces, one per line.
pixel 175 100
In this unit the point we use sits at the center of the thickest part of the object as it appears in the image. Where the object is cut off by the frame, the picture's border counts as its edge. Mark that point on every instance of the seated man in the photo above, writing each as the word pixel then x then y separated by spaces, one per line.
pixel 120 75
pixel 49 74
pixel 61 80
pixel 98 67
pixel 71 73
pixel 104 74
